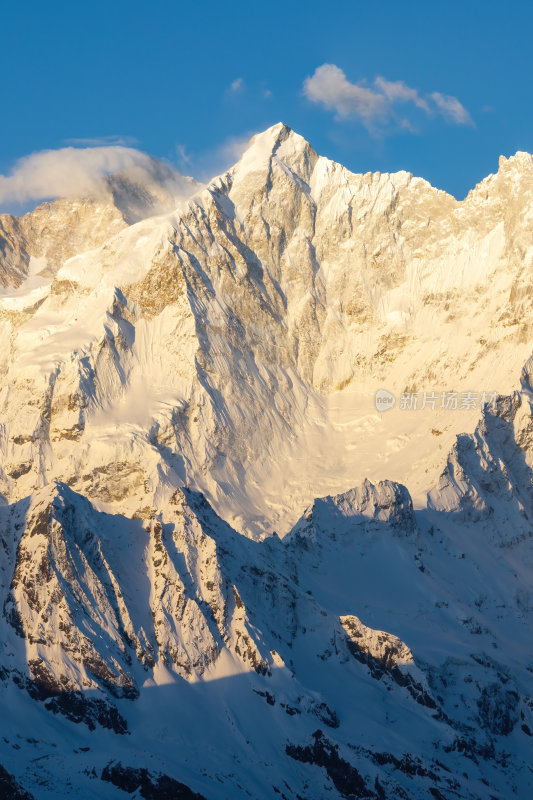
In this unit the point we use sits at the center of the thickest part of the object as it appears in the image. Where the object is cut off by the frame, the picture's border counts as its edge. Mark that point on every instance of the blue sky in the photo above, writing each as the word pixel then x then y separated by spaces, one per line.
pixel 188 81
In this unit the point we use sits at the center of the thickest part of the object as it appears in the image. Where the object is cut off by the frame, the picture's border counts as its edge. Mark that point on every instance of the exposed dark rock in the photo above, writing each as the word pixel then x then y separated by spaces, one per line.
pixel 382 652
pixel 10 789
pixel 12 615
pixel 326 715
pixel 271 700
pixel 408 764
pixel 323 753
pixel 18 471
pixel 149 786
pixel 498 709
pixel 92 712
pixel 472 749
pixel 290 710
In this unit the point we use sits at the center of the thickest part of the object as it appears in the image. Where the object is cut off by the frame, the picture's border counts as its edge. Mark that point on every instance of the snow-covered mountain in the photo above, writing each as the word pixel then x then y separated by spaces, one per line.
pixel 177 376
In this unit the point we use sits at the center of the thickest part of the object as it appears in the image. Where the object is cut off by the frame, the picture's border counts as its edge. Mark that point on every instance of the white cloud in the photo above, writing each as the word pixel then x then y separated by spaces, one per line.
pixel 82 171
pixel 398 91
pixel 330 87
pixel 237 86
pixel 451 109
pixel 71 171
pixel 376 106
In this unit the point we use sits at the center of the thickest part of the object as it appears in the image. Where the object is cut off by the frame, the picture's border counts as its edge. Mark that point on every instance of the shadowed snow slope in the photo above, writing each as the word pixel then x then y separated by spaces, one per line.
pixel 374 652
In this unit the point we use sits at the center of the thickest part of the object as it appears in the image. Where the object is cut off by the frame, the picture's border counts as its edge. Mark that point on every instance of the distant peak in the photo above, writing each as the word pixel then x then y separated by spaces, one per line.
pixel 520 160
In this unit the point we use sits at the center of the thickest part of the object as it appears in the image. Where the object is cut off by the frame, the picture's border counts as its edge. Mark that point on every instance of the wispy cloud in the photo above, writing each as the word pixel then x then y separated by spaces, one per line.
pixel 214 162
pixel 399 92
pixel 237 86
pixel 183 155
pixel 451 109
pixel 76 171
pixel 232 149
pixel 104 141
pixel 376 105
pixel 207 164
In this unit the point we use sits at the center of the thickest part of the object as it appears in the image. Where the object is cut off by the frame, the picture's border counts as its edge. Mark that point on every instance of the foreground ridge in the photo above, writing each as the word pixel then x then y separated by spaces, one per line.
pixel 199 626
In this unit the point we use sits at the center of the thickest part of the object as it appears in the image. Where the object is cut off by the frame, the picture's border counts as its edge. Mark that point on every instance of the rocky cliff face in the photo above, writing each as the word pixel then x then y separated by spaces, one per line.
pixel 171 382
pixel 88 625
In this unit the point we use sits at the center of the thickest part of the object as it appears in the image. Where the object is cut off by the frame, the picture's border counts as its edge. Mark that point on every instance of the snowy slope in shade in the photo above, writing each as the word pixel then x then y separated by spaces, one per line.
pixel 375 652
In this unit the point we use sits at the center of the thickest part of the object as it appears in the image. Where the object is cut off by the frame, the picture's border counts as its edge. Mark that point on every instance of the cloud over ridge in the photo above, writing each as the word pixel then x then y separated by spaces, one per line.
pixel 69 171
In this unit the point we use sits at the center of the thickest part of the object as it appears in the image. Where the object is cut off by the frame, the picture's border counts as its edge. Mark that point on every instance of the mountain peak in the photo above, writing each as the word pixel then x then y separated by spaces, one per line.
pixel 274 135
pixel 269 142
pixel 521 160
pixel 278 140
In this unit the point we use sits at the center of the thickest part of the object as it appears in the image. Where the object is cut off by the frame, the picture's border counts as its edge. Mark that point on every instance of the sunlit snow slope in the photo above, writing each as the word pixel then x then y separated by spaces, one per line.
pixel 236 344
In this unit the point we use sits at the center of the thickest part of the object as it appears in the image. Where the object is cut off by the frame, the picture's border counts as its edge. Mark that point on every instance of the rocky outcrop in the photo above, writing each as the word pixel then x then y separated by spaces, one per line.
pixel 343 775
pixel 152 787
pixel 94 713
pixel 363 511
pixel 87 625
pixel 10 789
pixel 488 476
pixel 386 656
